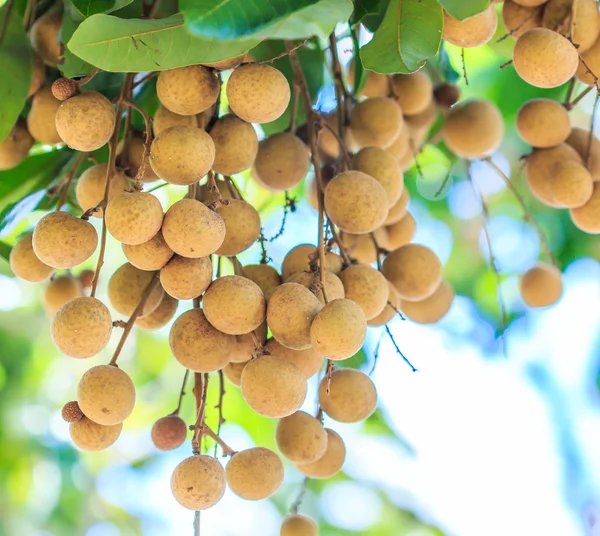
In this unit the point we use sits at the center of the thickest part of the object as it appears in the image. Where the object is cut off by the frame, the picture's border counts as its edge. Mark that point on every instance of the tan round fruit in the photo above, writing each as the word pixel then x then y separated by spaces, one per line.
pixel 381 165
pixel 473 129
pixel 86 122
pixel 530 3
pixel 541 285
pixel 225 65
pixel 255 473
pixel 197 345
pixel 187 90
pixel 242 227
pixel 132 154
pixel 587 217
pixel 198 482
pixel 134 218
pixel 186 279
pixel 356 202
pixel 246 347
pixel 91 436
pixel 518 19
pixel 392 237
pixel 544 58
pixel 59 291
pixel 360 247
pixel 578 20
pixel 309 361
pixel 169 432
pixel 419 124
pixel 472 32
pixel 90 187
pixel 265 276
pixel 398 209
pixel 376 122
pixel 352 396
pixel 15 147
pixel 151 255
pixel 64 88
pixel 588 64
pixel 571 184
pixel 127 286
pixel 42 116
pixel 236 145
pixel 543 123
pixel 401 145
pixel 367 287
pixel 282 161
pixel 429 310
pixel 106 395
pixel 390 310
pixel 25 264
pixel 376 85
pixel 330 463
pixel 192 230
pixel 579 139
pixel 413 92
pixel 301 438
pixel 62 240
pixel 233 372
pixel 161 316
pixel 273 387
pixel 164 119
pixel 44 37
pixel 290 312
pixel 38 76
pixel 298 525
pixel 258 93
pixel 334 289
pixel 298 259
pixel 328 143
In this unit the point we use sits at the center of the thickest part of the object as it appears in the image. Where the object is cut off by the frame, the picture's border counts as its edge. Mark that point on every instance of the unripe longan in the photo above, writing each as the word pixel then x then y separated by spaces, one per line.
pixel 309 361
pixel 41 119
pixel 60 290
pixel 273 387
pixel 543 123
pixel 151 255
pixel 571 184
pixel 299 525
pixel 472 32
pixel 236 145
pixel 389 311
pixel 352 396
pixel 164 119
pixel 169 432
pixel 242 227
pixel 265 276
pixel 334 288
pixel 398 209
pixel 301 438
pixel 367 287
pixel 184 278
pixel 258 93
pixel 382 166
pixel 134 218
pixel 91 436
pixel 282 161
pixel 62 240
pixel 298 260
pixel 255 473
pixel 86 122
pixel 161 316
pixel 198 482
pixel 15 147
pixel 233 372
pixel 197 345
pixel 518 19
pixel 579 139
pixel 90 187
pixel 429 310
pixel 187 90
pixel 413 92
pixel 541 285
pixel 376 122
pixel 126 288
pixel 44 37
pixel 25 264
pixel 330 463
pixel 587 217
pixel 106 394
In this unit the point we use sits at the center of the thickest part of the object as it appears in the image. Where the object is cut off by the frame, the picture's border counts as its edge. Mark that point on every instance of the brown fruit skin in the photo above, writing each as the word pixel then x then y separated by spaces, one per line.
pixel 429 310
pixel 186 279
pixel 352 396
pixel 389 311
pixel 309 361
pixel 360 248
pixel 242 227
pixel 273 387
pixel 383 167
pixel 90 187
pixel 169 432
pixel 245 347
pixel 401 145
pixel 301 438
pixel 543 123
pixel 544 58
pixel 398 209
pixel 70 412
pixel 161 316
pixel 541 285
pixel 575 19
pixel 298 260
pixel 134 218
pixel 518 19
pixel 86 122
pixel 587 217
pixel 571 184
pixel 233 372
pixel 258 93
pixel 62 240
pixel 197 345
pixel 334 288
pixel 225 65
pixel 44 37
pixel 15 147
pixel 472 32
pixel 376 84
pixel 282 161
pixel 236 145
pixel 151 255
pixel 86 277
pixel 42 116
pixel 330 463
pixel 265 276
pixel 473 129
pixel 126 288
pixel 64 88
pixel 376 122
pixel 198 482
pixel 38 76
pixel 446 95
pixel 164 119
pixel 290 312
pixel 106 395
pixel 93 437
pixel 59 291
pixel 192 230
pixel 591 58
pixel 254 474
pixel 25 264
pixel 234 305
pixel 187 90
pixel 413 91
pixel 579 140
pixel 298 525
pixel 392 237
pixel 367 287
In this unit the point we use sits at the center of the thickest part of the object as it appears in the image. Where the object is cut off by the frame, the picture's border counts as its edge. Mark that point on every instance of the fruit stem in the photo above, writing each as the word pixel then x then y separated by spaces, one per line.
pixel 143 79
pixel 86 79
pixel 342 248
pixel 340 141
pixel 296 504
pixel 389 332
pixel 147 142
pixel 200 390
pixel 340 94
pixel 294 110
pixel 570 105
pixel 227 450
pixel 182 391
pixel 377 250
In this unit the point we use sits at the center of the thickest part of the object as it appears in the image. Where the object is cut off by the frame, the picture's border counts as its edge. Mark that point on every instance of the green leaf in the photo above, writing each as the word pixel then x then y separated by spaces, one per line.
pixel 135 45
pixel 5 251
pixel 16 66
pixel 364 8
pixel 372 20
pixel 461 10
pixel 91 7
pixel 360 73
pixel 71 65
pixel 410 33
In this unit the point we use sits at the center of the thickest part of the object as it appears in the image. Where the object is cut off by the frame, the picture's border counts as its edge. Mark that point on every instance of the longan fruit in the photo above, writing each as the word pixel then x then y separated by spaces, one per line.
pixel 398 209
pixel 330 463
pixel 473 129
pixel 282 161
pixel 265 276
pixel 64 88
pixel 429 310
pixel 90 187
pixel 132 152
pixel 15 147
pixel 91 436
pixel 376 85
pixel 182 155
pixel 126 288
pixel 42 116
pixel 164 119
pixel 583 21
pixel 71 412
pixel 381 165
pixel 258 93
pixel 233 372
pixel 242 227
pixel 187 90
pixel 299 525
pixel 518 19
pixel 541 285
pixel 273 387
pixel 414 270
pixel 543 123
pixel 86 122
pixel 198 482
pixel 334 288
pixel 376 122
pixel 359 247
pixel 587 217
pixel 356 202
pixel 186 279
pixel 544 58
pixel 236 145
pixel 301 438
pixel 44 37
pixel 255 473
pixel 192 230
pixel 134 218
pixel 169 432
pixel 106 394
pixel 197 345
pixel 414 92
pixel 309 361
pixel 401 144
pixel 352 396
pixel 25 264
pixel 571 184
pixel 557 15
pixel 328 143
pixel 60 290
pixel 290 312
pixel 367 287
pixel 161 316
pixel 245 347
pixel 298 260
pixel 234 305
pixel 38 75
pixel 472 32
pixel 86 277
pixel 579 139
pixel 207 194
pixel 530 3
pixel 391 237
pixel 389 311
pixel 446 95
pixel 225 65
pixel 62 240
pixel 151 255
pixel 591 58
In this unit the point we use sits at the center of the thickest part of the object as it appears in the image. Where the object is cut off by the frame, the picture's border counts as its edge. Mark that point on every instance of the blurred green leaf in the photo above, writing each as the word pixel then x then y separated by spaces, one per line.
pixel 91 7
pixel 461 9
pixel 71 65
pixel 373 20
pixel 364 8
pixel 5 251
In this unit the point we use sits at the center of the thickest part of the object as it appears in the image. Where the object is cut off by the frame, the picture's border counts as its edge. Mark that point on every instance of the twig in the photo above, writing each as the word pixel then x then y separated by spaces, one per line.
pixel 340 94
pixel 86 79
pixel 387 329
pixel 376 353
pixel 588 153
pixel 505 65
pixel 570 90
pixel 289 206
pixel 29 15
pixel 182 391
pixel 517 28
pixel 148 140
pixel 219 405
pixel 144 79
pixel 343 251
pixel 294 108
pixel 200 390
pixel 464 66
pixel 328 374
pixel 377 250
pixel 67 179
pixel 207 430
pixel 343 149
pixel 153 9
pixel 590 72
pixel 296 504
pixel 576 100
pixel 283 54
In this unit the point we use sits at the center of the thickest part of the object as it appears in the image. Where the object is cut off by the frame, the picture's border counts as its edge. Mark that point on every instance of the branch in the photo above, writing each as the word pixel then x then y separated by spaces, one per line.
pixel 67 179
pixel 200 390
pixel 387 329
pixel 182 391
pixel 148 140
